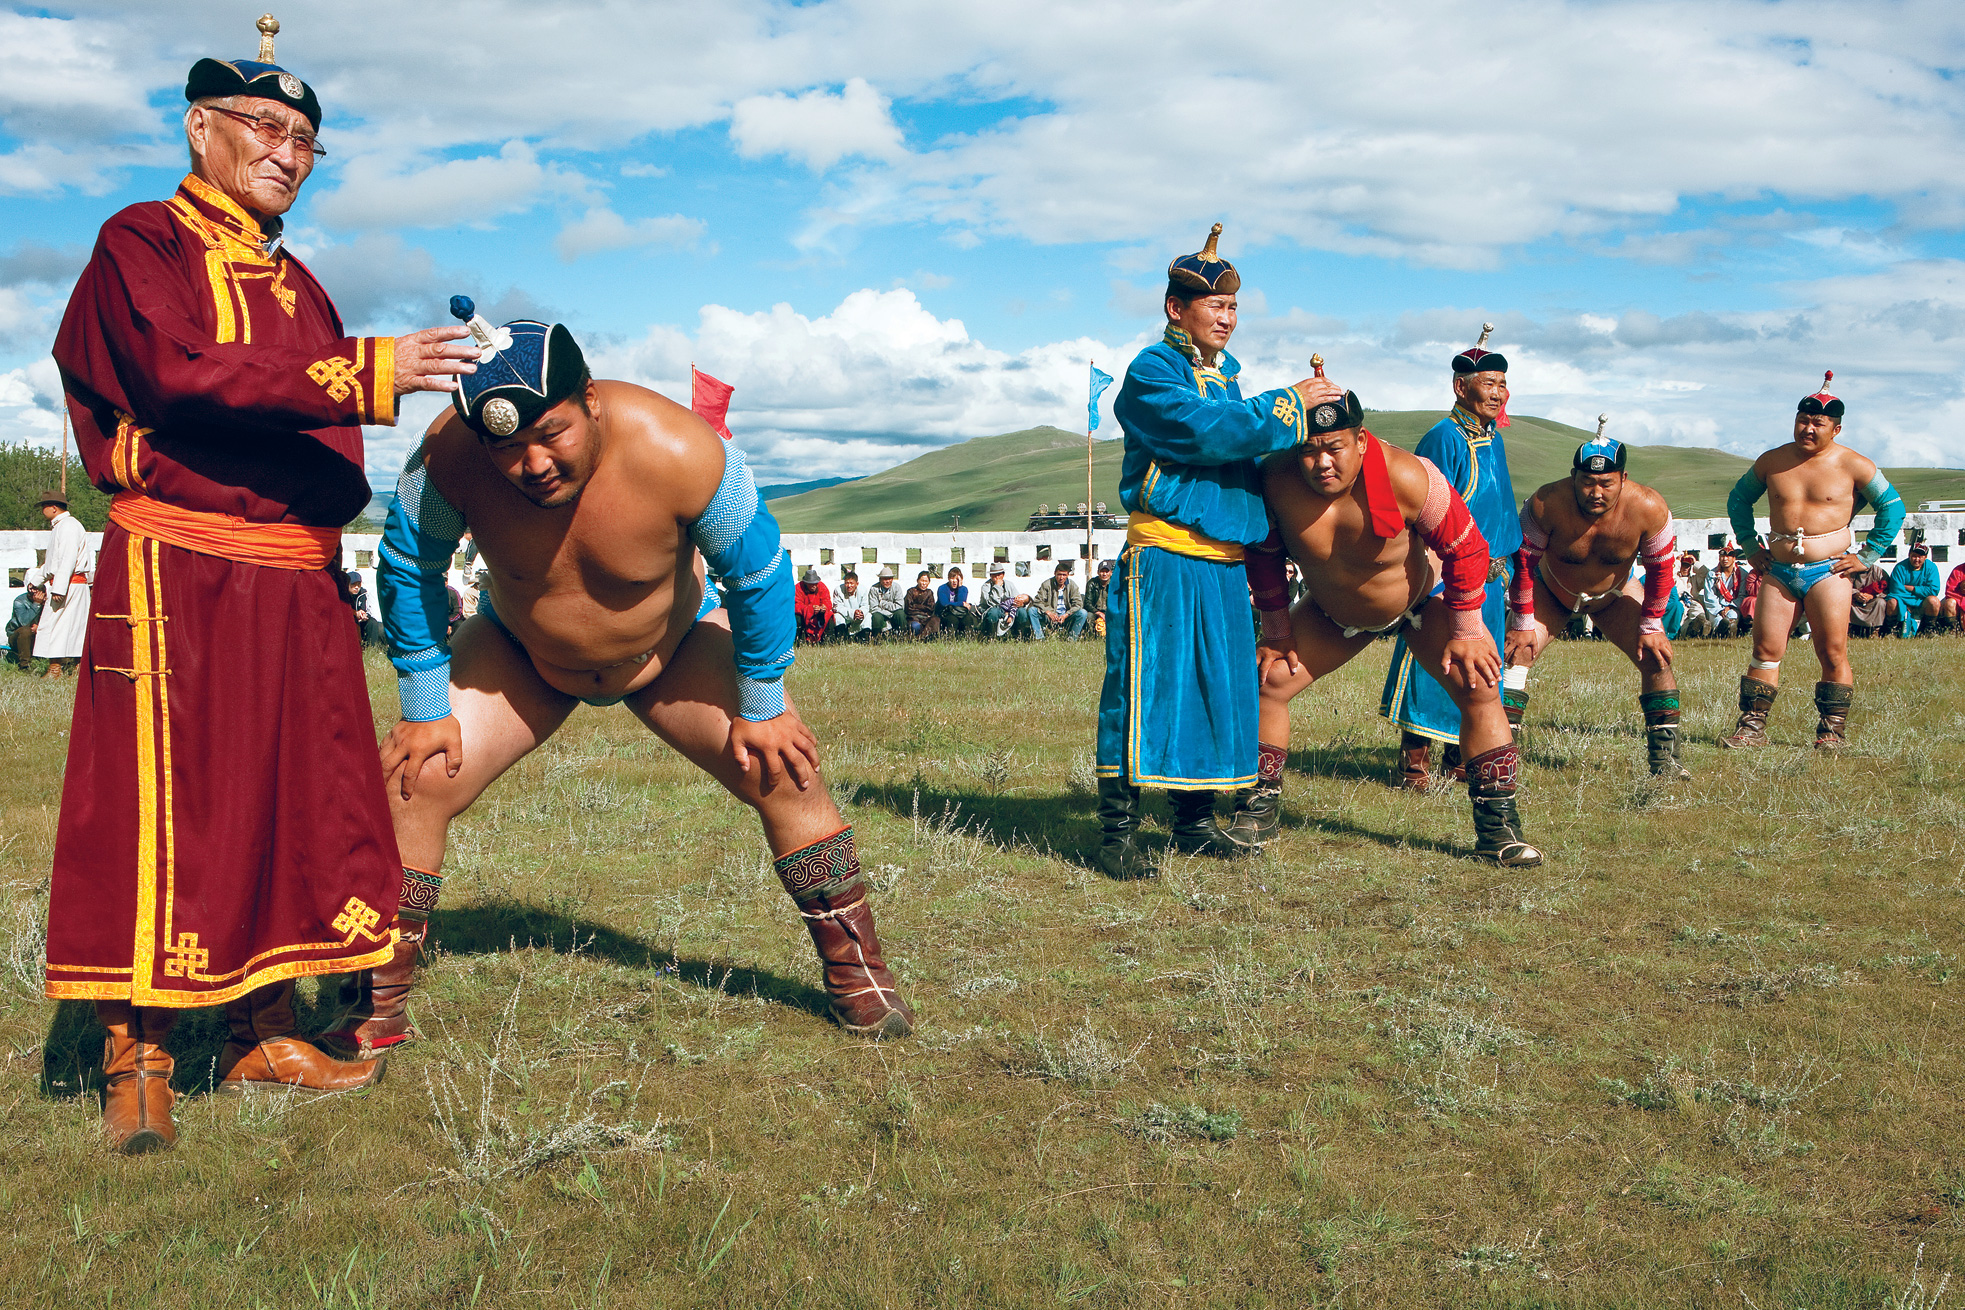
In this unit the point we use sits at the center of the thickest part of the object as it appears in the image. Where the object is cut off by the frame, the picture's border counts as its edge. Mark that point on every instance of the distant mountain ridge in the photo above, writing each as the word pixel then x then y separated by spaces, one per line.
pixel 995 483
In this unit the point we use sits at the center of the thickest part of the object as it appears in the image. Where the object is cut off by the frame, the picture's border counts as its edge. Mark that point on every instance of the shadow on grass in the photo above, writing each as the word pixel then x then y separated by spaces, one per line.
pixel 502 925
pixel 1062 824
pixel 71 1056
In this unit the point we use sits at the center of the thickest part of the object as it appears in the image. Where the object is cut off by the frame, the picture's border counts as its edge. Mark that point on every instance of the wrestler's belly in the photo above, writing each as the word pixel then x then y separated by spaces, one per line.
pixel 1593 580
pixel 1371 600
pixel 1824 527
pixel 583 648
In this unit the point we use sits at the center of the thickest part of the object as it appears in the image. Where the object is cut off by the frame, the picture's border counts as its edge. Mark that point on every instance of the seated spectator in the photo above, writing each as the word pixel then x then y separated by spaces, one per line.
pixel 1720 594
pixel 952 605
pixel 1951 607
pixel 884 599
pixel 812 603
pixel 1914 591
pixel 24 622
pixel 999 604
pixel 456 610
pixel 919 602
pixel 1869 612
pixel 367 626
pixel 1057 604
pixel 1687 584
pixel 1096 593
pixel 852 615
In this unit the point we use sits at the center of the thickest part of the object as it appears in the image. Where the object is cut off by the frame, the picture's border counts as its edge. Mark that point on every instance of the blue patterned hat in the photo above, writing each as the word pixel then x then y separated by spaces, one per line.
pixel 1203 273
pixel 254 77
pixel 524 369
pixel 1601 454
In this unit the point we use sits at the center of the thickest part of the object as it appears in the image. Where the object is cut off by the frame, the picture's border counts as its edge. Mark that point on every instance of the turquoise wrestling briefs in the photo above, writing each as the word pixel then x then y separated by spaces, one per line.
pixel 710 601
pixel 1796 579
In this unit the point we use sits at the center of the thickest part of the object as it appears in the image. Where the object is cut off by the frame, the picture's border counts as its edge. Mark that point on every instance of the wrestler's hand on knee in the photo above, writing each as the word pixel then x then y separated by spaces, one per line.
pixel 412 745
pixel 1477 662
pixel 1525 644
pixel 777 746
pixel 1654 649
pixel 1271 651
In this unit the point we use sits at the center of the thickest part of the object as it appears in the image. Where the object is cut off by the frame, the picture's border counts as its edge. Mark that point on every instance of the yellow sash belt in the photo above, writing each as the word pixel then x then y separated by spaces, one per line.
pixel 1144 529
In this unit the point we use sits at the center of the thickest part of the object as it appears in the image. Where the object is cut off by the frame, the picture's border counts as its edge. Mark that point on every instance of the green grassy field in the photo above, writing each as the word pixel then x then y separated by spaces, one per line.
pixel 996 483
pixel 1707 1056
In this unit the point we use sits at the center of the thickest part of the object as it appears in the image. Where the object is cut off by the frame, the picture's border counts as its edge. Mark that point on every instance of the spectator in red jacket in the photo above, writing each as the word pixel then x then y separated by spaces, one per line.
pixel 812 602
pixel 1951 606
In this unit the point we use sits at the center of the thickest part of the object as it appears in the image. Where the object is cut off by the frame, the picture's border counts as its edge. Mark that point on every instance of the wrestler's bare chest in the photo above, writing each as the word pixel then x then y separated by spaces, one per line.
pixel 1353 575
pixel 1609 542
pixel 1812 494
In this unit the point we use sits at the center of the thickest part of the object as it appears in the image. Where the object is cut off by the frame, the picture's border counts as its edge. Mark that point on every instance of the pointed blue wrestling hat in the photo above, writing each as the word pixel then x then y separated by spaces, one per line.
pixel 524 369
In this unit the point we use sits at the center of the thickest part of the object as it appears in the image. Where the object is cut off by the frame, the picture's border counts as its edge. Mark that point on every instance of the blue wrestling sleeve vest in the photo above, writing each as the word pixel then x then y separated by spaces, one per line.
pixel 418 539
pixel 1883 500
pixel 739 541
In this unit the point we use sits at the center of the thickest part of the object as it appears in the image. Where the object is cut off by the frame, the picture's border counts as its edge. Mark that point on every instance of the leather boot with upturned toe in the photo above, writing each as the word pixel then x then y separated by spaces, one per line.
pixel 264 1049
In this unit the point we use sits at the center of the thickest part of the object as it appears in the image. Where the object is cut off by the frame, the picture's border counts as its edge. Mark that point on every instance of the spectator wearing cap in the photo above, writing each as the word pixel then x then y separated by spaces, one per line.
pixel 886 602
pixel 952 605
pixel 1719 593
pixel 918 603
pixel 1951 607
pixel 999 604
pixel 1915 591
pixel 852 616
pixel 812 604
pixel 1058 604
pixel 71 571
pixel 356 595
pixel 1095 593
pixel 1686 584
pixel 1468 449
pixel 215 390
pixel 22 622
pixel 1869 607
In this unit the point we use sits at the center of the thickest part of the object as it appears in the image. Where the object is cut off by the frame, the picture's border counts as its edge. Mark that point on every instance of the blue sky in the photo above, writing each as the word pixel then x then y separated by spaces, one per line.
pixel 893 226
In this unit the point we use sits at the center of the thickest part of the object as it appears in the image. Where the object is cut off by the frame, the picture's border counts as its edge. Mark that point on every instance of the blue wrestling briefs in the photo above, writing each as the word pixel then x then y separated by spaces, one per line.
pixel 1796 579
pixel 711 600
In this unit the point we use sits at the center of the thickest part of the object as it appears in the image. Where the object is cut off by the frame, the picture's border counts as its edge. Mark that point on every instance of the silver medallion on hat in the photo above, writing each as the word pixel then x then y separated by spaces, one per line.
pixel 1325 415
pixel 501 417
pixel 290 86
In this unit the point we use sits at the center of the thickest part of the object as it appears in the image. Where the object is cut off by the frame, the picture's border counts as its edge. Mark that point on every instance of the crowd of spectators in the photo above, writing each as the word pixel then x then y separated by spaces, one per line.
pixel 931 611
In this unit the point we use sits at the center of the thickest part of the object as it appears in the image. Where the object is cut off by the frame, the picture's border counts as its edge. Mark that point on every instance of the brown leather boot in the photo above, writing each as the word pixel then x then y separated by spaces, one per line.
pixel 825 883
pixel 1756 702
pixel 263 1048
pixel 1415 756
pixel 1451 764
pixel 1832 701
pixel 136 1106
pixel 374 1013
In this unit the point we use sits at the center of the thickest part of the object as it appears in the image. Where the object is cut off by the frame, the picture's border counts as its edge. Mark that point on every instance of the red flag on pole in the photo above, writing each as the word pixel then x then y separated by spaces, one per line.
pixel 710 400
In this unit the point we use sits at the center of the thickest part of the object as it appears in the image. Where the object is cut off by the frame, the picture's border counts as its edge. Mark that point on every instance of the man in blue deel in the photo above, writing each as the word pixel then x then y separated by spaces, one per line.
pixel 1467 447
pixel 1178 710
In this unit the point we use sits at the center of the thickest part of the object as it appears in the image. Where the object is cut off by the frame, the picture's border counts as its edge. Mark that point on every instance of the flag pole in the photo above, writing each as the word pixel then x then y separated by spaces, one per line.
pixel 1089 569
pixel 64 447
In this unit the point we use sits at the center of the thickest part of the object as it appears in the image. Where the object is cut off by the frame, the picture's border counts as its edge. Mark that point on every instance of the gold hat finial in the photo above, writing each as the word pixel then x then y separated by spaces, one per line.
pixel 1487 330
pixel 1602 420
pixel 1208 254
pixel 269 27
pixel 1317 365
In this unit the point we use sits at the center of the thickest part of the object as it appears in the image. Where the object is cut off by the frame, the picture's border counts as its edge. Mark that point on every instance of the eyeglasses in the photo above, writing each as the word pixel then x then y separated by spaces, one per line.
pixel 273 135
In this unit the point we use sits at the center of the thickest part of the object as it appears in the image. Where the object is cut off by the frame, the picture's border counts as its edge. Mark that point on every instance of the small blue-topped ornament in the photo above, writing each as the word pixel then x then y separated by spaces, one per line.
pixel 524 369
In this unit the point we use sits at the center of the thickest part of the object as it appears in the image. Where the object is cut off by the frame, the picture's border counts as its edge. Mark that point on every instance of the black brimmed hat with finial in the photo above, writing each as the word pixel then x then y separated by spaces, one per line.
pixel 254 77
pixel 1203 273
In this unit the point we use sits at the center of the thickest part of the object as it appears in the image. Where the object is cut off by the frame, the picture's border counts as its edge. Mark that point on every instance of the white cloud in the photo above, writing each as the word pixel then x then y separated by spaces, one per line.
pixel 380 191
pixel 817 126
pixel 600 228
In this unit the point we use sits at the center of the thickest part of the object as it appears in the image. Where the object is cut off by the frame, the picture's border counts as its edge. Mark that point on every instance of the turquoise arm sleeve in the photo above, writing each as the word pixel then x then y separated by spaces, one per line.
pixel 1740 501
pixel 1889 508
pixel 418 539
pixel 740 544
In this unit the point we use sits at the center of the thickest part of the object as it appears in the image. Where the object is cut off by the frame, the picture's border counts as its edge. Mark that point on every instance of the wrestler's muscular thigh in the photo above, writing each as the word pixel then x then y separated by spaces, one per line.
pixel 504 710
pixel 1773 620
pixel 1619 622
pixel 1483 723
pixel 1553 618
pixel 1323 649
pixel 690 707
pixel 1827 606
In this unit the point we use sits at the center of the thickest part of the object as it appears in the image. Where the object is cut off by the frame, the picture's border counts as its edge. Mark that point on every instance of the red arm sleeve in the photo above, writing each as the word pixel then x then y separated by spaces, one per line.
pixel 1268 583
pixel 1657 550
pixel 133 336
pixel 1449 532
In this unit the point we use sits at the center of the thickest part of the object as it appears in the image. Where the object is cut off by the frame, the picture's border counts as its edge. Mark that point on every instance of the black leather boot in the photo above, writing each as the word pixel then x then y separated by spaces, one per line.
pixel 1120 854
pixel 1195 831
pixel 1258 813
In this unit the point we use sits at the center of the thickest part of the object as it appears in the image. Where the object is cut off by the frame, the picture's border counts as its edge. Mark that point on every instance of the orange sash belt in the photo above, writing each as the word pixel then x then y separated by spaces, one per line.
pixel 274 545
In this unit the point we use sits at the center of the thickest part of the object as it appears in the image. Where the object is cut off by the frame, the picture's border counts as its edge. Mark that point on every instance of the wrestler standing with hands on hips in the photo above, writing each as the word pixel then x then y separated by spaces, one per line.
pixel 1812 485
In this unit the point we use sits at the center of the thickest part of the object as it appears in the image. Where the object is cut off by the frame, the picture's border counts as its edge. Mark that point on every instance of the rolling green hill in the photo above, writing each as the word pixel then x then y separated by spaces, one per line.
pixel 995 483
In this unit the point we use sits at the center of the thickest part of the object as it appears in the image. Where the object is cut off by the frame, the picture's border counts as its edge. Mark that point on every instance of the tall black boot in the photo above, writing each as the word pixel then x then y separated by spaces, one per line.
pixel 1491 779
pixel 1258 813
pixel 1120 854
pixel 1832 700
pixel 1661 733
pixel 1195 831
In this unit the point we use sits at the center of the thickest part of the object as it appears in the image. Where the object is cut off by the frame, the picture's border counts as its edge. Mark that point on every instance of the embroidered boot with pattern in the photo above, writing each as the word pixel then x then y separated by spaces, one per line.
pixel 136 1105
pixel 1661 733
pixel 1195 831
pixel 263 1048
pixel 1756 702
pixel 1120 853
pixel 1491 780
pixel 1415 759
pixel 374 1013
pixel 825 883
pixel 1832 700
pixel 1259 813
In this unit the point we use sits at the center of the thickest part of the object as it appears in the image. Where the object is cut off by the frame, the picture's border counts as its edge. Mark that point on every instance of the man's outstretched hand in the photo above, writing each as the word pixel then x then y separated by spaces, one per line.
pixel 416 743
pixel 779 746
pixel 432 359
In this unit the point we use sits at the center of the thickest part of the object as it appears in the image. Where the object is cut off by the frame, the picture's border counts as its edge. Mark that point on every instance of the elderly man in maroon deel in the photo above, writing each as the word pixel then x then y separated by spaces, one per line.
pixel 223 826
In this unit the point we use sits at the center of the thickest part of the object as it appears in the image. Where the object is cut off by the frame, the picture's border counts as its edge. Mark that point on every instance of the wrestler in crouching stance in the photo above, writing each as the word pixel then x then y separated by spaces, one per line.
pixel 589 502
pixel 1358 517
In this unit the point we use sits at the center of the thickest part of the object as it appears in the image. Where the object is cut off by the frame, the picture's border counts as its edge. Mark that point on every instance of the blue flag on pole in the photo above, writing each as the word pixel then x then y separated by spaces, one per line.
pixel 1100 381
